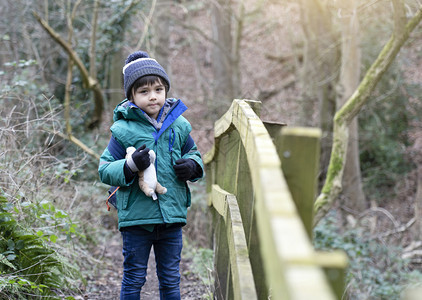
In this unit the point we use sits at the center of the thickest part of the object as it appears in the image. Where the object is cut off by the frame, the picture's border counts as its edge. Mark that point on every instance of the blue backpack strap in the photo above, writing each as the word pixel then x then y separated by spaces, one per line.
pixel 188 145
pixel 118 152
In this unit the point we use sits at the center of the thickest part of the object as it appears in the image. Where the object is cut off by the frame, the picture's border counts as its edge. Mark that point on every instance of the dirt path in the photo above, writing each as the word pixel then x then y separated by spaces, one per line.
pixel 105 283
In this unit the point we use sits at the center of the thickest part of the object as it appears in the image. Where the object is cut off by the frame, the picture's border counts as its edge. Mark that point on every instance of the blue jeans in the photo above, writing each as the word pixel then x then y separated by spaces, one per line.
pixel 137 243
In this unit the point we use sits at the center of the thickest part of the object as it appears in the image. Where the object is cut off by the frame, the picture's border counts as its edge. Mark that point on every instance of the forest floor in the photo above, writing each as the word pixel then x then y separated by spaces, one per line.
pixel 105 282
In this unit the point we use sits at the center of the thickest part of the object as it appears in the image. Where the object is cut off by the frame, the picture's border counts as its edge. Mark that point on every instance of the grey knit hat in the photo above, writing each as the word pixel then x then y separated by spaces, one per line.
pixel 139 64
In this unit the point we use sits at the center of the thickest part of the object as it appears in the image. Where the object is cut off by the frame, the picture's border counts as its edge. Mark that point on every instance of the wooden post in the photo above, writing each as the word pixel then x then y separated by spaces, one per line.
pixel 299 149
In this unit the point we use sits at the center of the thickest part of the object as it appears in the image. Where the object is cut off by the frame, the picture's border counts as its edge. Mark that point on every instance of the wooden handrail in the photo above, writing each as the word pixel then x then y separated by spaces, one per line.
pixel 245 163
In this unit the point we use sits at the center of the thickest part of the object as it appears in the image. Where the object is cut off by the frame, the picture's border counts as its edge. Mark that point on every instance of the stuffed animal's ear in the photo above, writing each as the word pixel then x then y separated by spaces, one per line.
pixel 151 156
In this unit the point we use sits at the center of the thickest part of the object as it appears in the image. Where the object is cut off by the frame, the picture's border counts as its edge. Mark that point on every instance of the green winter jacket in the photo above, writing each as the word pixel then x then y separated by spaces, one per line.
pixel 167 137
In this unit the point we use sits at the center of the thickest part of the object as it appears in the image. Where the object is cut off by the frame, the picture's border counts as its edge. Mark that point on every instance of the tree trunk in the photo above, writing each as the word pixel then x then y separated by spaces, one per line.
pixel 318 74
pixel 162 27
pixel 308 73
pixel 349 80
pixel 115 79
pixel 417 231
pixel 221 57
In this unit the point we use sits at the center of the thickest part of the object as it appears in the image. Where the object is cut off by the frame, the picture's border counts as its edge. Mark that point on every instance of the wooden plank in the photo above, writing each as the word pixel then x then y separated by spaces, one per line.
pixel 255 105
pixel 240 268
pixel 299 149
pixel 224 123
pixel 307 282
pixel 412 293
pixel 246 201
pixel 273 264
pixel 209 156
pixel 218 200
pixel 230 173
pixel 245 194
pixel 334 265
pixel 221 159
pixel 257 262
pixel 210 169
pixel 243 281
pixel 221 261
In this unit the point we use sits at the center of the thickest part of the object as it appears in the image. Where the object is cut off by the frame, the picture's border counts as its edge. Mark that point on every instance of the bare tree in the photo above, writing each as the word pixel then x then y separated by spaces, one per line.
pixel 318 75
pixel 223 85
pixel 349 80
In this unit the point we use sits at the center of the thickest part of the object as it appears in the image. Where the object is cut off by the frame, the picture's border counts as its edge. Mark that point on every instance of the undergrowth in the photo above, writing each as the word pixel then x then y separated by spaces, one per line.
pixel 41 238
pixel 29 266
pixel 376 267
pixel 202 265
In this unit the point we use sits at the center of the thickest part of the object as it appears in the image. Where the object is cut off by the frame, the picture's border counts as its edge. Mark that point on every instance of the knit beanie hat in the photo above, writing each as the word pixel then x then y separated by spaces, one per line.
pixel 139 64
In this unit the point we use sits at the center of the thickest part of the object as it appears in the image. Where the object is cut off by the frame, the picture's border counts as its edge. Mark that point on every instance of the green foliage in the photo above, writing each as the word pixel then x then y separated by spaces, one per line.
pixel 376 269
pixel 28 264
pixel 51 224
pixel 383 138
pixel 113 29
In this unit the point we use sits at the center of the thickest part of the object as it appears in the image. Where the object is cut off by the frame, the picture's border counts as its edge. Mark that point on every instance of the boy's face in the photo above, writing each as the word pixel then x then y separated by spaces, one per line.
pixel 150 98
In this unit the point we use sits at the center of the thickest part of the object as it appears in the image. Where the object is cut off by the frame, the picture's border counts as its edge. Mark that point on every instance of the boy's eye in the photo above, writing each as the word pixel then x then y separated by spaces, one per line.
pixel 160 89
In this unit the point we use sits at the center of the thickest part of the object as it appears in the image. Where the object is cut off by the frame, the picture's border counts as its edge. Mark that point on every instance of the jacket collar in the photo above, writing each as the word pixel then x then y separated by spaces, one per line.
pixel 171 110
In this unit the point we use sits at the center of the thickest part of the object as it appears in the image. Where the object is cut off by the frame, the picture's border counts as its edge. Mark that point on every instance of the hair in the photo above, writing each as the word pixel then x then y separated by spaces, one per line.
pixel 147 80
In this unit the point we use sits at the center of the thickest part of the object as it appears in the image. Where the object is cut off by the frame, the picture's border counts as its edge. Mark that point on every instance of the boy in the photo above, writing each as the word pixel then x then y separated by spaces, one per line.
pixel 147 120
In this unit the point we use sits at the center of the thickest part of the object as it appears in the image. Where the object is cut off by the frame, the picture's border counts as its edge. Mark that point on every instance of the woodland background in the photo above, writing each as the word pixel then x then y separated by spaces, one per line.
pixel 60 72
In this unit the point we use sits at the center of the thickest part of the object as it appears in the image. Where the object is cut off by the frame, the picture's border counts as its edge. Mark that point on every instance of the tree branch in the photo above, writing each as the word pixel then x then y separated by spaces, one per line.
pixel 92 65
pixel 78 143
pixel 147 24
pixel 332 186
pixel 90 82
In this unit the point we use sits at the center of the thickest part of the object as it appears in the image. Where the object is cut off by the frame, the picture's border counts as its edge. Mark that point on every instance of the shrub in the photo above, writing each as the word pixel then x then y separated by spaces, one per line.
pixel 28 265
pixel 383 138
pixel 376 268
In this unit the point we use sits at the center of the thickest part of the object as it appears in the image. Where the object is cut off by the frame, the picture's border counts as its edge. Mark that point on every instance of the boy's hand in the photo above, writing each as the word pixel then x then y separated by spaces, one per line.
pixel 185 169
pixel 139 160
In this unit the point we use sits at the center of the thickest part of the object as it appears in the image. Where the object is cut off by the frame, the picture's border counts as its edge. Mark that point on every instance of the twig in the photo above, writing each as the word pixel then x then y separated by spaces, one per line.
pixel 76 141
pixel 382 210
pixel 399 229
pixel 147 24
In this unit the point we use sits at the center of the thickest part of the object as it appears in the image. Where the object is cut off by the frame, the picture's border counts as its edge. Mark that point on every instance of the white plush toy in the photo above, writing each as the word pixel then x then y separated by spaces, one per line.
pixel 148 178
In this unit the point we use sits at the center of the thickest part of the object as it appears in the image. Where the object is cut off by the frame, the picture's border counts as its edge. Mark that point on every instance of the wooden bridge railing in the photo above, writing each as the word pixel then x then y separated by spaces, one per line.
pixel 261 182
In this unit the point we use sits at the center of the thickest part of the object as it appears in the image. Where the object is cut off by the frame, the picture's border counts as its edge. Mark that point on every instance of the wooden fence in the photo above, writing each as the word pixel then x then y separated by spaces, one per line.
pixel 261 182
